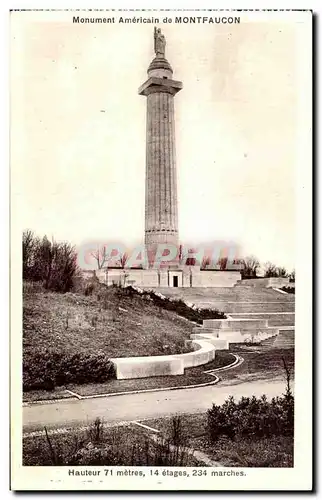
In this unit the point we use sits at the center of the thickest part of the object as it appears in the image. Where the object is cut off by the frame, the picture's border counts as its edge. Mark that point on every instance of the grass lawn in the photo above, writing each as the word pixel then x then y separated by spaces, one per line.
pixel 259 363
pixel 191 376
pixel 115 324
pixel 276 451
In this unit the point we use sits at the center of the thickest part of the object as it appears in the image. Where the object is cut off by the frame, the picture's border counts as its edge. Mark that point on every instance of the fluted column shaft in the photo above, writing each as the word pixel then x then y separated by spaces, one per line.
pixel 161 213
pixel 161 210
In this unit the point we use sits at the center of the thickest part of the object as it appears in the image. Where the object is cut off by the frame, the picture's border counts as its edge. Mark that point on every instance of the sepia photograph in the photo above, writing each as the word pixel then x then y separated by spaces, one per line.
pixel 161 198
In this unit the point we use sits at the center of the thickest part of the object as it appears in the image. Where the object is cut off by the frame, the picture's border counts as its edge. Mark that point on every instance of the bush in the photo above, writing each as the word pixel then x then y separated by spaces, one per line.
pixel 288 289
pixel 178 306
pixel 252 417
pixel 48 368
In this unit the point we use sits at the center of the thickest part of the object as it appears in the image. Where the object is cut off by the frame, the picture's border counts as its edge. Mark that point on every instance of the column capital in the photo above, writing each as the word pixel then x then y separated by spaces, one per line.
pixel 155 84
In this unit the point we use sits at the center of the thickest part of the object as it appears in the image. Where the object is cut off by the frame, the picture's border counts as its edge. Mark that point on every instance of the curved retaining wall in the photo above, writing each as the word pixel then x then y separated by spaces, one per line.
pixel 201 356
pixel 147 366
pixel 219 344
pixel 216 334
pixel 154 366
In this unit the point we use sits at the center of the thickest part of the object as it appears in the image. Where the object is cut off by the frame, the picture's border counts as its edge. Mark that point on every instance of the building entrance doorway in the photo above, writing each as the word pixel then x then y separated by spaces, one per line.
pixel 175 281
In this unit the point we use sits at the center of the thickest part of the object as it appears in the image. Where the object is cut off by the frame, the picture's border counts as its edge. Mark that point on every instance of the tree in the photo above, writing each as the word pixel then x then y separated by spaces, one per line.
pixel 29 243
pixel 281 272
pixel 205 262
pixel 250 266
pixel 52 263
pixel 292 276
pixel 123 260
pixel 270 270
pixel 222 262
pixel 64 267
pixel 101 256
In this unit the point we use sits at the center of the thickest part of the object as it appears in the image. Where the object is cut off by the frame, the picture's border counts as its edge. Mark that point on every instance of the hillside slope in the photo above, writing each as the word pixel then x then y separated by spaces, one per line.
pixel 107 321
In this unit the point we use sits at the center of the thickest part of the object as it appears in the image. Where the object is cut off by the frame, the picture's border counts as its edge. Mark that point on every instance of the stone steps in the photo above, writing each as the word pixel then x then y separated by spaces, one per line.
pixel 285 339
pixel 241 294
pixel 236 330
pixel 274 319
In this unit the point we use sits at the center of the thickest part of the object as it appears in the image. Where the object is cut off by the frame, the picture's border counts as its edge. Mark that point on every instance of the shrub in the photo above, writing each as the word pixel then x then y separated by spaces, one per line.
pixel 288 289
pixel 255 417
pixel 177 305
pixel 48 368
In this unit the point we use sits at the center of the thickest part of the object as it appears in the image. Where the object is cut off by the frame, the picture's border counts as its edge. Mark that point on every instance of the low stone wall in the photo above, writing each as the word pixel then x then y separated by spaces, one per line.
pixel 204 353
pixel 147 366
pixel 155 366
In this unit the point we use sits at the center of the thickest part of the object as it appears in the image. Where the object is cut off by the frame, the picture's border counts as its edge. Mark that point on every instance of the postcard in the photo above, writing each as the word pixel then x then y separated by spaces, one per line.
pixel 161 242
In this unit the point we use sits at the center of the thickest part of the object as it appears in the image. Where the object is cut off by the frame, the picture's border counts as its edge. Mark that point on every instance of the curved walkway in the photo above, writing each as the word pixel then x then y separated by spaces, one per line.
pixel 141 406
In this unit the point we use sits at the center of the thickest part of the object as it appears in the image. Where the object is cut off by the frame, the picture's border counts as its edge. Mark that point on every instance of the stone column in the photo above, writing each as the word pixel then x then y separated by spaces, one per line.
pixel 161 210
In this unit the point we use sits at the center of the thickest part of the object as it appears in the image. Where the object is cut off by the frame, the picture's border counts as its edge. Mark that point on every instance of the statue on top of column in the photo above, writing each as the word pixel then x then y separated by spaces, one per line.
pixel 159 43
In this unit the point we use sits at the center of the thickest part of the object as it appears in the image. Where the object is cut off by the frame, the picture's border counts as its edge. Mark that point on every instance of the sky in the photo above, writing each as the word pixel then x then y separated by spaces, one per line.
pixel 78 148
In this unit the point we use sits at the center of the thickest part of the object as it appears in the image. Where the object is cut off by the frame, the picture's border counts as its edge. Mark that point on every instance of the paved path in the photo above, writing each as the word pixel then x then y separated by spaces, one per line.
pixel 140 406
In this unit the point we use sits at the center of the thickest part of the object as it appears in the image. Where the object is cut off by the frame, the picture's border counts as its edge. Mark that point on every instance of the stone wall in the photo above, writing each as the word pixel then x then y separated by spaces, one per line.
pixel 154 366
pixel 147 366
pixel 215 278
pixel 136 277
pixel 152 278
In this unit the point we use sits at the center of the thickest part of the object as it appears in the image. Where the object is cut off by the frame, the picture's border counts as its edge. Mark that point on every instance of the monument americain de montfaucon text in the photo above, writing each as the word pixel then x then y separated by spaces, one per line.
pixel 161 199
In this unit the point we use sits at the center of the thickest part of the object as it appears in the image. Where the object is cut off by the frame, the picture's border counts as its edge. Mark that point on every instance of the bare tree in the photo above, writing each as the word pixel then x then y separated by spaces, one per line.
pixel 65 266
pixel 101 256
pixel 222 262
pixel 29 243
pixel 270 270
pixel 205 262
pixel 250 266
pixel 123 260
pixel 287 378
pixel 281 272
pixel 52 263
